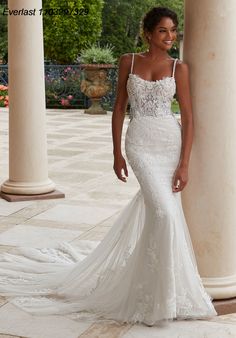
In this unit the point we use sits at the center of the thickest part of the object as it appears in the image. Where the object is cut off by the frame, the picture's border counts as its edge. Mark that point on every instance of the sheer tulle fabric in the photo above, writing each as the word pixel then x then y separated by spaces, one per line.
pixel 144 270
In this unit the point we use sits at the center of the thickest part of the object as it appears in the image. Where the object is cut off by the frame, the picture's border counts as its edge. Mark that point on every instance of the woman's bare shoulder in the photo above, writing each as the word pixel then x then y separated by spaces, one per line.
pixel 182 67
pixel 181 64
pixel 126 58
pixel 125 61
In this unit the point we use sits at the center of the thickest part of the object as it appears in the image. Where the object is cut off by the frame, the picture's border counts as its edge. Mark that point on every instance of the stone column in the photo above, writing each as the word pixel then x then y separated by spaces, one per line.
pixel 209 199
pixel 28 167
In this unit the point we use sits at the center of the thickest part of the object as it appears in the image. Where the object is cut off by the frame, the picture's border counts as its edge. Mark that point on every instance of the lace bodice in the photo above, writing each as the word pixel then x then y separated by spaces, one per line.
pixel 150 98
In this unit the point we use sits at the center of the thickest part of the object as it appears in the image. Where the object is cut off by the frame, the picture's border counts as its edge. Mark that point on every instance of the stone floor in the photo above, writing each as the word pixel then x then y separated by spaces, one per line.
pixel 80 163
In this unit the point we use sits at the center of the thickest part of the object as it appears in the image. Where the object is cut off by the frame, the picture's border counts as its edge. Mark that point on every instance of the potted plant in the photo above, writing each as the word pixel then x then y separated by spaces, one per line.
pixel 96 61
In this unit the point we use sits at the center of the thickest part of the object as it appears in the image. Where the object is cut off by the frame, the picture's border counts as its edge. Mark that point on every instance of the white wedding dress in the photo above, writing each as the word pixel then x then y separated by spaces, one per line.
pixel 144 270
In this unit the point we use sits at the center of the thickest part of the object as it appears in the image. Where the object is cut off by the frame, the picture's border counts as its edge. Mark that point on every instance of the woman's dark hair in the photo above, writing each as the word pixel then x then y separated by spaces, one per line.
pixel 154 16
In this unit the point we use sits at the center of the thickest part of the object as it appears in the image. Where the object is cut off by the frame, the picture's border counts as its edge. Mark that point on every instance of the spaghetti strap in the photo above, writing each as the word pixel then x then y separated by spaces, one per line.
pixel 132 64
pixel 173 72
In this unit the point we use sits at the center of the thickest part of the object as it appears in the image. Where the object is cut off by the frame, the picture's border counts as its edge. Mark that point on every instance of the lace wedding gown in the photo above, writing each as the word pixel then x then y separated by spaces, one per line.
pixel 144 270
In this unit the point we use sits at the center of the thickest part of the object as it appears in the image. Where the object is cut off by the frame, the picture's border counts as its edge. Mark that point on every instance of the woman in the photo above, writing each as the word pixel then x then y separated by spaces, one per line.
pixel 158 150
pixel 144 270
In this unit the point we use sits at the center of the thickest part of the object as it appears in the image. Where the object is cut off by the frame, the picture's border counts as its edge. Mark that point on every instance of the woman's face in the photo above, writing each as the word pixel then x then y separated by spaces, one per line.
pixel 164 34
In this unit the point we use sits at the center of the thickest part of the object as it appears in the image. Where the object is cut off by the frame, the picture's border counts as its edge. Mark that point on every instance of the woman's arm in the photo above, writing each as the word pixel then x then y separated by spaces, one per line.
pixel 184 99
pixel 119 115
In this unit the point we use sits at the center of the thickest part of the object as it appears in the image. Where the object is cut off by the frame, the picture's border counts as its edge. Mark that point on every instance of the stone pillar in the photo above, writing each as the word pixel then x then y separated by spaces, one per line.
pixel 209 199
pixel 28 167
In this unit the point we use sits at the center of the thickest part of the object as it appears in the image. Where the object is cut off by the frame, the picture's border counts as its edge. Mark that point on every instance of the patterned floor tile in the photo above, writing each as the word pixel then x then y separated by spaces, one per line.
pixel 105 330
pixel 9 336
pixel 16 322
pixel 39 237
pixel 3 301
pixel 7 208
pixel 229 318
pixel 184 329
pixel 76 214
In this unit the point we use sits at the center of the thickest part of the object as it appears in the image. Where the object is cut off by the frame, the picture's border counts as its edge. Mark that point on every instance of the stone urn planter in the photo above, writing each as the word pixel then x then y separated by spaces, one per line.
pixel 95 85
pixel 95 62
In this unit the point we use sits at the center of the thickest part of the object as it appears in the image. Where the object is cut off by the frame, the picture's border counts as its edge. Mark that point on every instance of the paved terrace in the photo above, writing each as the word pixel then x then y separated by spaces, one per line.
pixel 80 163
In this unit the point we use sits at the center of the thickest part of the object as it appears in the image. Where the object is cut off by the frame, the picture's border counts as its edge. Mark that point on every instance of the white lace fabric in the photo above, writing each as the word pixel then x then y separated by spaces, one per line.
pixel 150 98
pixel 144 270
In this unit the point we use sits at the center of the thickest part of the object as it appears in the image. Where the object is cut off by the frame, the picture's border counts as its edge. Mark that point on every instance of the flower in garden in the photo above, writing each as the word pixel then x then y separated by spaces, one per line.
pixel 67 69
pixel 2 87
pixel 65 102
pixel 70 97
pixel 3 96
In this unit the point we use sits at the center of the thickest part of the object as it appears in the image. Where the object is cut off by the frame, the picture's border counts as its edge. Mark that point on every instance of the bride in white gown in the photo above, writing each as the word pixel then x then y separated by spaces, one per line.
pixel 144 270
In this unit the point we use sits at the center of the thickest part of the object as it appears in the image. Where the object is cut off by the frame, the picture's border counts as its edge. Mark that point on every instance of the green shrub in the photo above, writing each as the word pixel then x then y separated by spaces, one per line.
pixel 97 54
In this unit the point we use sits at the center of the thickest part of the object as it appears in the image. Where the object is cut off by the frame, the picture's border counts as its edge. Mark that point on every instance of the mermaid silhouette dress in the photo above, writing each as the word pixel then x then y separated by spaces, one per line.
pixel 144 270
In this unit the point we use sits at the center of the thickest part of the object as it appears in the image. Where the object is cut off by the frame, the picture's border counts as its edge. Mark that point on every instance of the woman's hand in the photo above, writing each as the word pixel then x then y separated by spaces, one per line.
pixel 119 165
pixel 180 178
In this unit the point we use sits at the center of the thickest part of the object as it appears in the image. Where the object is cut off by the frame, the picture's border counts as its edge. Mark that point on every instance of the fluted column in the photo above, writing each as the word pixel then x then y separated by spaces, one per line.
pixel 209 199
pixel 28 167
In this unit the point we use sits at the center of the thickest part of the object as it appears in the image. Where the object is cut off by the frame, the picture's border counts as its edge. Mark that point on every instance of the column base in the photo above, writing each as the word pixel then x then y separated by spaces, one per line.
pixel 27 188
pixel 19 198
pixel 220 287
pixel 225 306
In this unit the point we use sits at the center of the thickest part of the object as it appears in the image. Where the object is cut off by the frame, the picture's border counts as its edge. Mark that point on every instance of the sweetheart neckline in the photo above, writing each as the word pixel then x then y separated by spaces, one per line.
pixel 152 81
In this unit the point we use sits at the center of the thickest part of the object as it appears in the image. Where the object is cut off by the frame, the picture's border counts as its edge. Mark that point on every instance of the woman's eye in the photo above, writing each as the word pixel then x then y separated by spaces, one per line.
pixel 163 31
